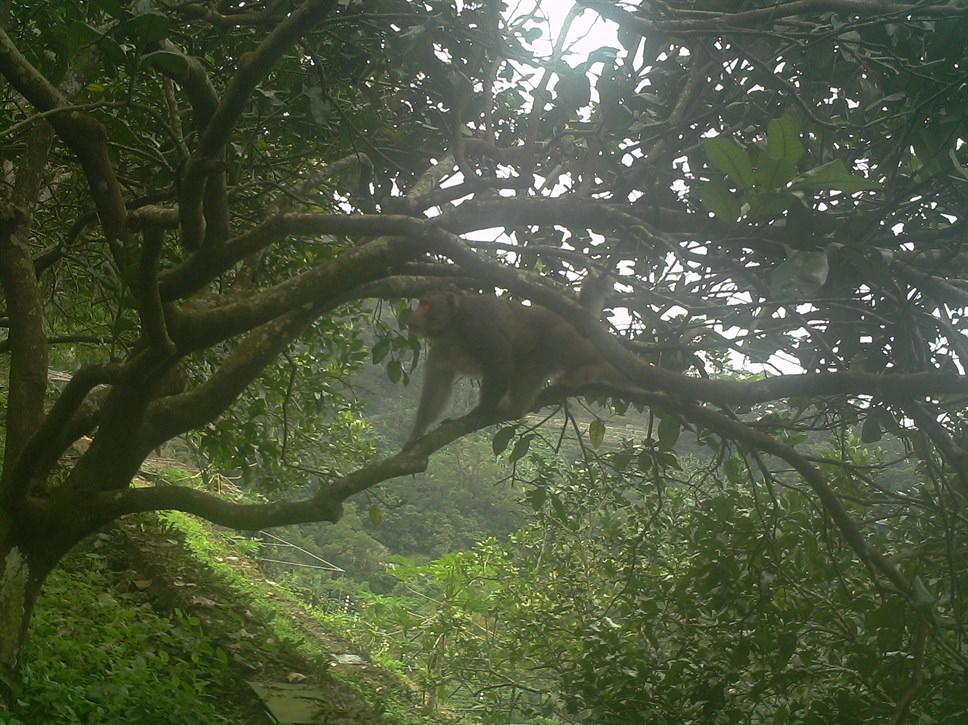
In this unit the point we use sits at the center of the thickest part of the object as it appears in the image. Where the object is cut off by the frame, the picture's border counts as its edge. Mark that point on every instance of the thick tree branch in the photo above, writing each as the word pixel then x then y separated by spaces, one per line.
pixel 153 325
pixel 83 134
pixel 26 336
pixel 722 392
pixel 46 440
pixel 196 326
pixel 719 23
pixel 28 345
pixel 325 505
pixel 204 102
pixel 176 414
pixel 200 270
pixel 262 16
pixel 253 68
pixel 247 517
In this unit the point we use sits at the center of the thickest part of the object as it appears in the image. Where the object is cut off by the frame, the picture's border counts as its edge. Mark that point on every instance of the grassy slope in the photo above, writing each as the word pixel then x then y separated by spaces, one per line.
pixel 161 621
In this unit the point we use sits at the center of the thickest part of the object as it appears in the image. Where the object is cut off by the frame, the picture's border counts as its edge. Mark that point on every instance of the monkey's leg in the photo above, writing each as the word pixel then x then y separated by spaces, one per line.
pixel 492 350
pixel 494 385
pixel 523 392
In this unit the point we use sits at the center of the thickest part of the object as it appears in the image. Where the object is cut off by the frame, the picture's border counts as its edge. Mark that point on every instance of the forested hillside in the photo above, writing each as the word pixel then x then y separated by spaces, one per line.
pixel 705 260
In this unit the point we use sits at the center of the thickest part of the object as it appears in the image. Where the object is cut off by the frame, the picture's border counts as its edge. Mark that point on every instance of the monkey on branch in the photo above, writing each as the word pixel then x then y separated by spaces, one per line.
pixel 512 348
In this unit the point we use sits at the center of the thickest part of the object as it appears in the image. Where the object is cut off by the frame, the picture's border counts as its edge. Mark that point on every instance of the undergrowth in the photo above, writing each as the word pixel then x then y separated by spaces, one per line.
pixel 97 654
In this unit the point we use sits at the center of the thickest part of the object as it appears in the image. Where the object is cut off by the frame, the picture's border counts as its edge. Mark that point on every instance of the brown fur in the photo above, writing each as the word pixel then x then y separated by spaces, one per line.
pixel 513 348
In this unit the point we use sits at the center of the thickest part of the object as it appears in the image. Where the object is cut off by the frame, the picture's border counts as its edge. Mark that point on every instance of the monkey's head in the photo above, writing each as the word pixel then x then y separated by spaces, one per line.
pixel 435 313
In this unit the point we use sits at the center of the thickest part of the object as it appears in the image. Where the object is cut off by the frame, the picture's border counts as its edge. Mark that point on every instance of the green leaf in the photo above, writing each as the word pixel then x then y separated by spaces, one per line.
pixel 669 460
pixel 728 156
pixel 773 174
pixel 832 176
pixel 783 141
pixel 380 349
pixel 559 508
pixel 719 199
pixel 376 515
pixel 573 91
pixel 735 469
pixel 80 35
pixel 771 204
pixel 621 460
pixel 174 64
pixel 931 145
pixel 521 448
pixel 149 27
pixel 627 37
pixel 645 462
pixel 802 275
pixel 871 430
pixel 669 429
pixel 785 647
pixel 502 438
pixel 920 596
pixel 536 497
pixel 111 7
pixel 596 432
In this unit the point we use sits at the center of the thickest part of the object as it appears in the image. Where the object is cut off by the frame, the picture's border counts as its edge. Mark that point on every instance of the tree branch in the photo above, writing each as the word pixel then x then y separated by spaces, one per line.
pixel 175 414
pixel 26 337
pixel 720 23
pixel 153 325
pixel 199 325
pixel 253 68
pixel 722 392
pixel 737 430
pixel 196 273
pixel 44 442
pixel 204 102
pixel 325 505
pixel 84 135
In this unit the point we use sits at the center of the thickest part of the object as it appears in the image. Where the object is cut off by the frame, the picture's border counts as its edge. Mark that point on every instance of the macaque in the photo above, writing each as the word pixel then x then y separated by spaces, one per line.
pixel 513 348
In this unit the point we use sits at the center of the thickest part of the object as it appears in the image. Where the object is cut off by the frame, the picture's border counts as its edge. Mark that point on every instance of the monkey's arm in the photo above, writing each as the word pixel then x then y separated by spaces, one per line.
pixel 437 386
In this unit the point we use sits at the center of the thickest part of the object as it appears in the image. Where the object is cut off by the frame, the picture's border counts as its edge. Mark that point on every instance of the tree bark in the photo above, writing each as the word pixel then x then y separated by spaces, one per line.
pixel 21 579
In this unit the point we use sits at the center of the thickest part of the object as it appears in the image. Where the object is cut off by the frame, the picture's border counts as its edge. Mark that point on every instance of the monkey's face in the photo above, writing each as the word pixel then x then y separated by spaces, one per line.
pixel 435 313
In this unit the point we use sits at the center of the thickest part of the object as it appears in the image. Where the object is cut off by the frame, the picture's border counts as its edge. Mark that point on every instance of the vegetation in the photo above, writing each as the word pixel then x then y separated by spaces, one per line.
pixel 97 654
pixel 718 604
pixel 166 620
pixel 214 213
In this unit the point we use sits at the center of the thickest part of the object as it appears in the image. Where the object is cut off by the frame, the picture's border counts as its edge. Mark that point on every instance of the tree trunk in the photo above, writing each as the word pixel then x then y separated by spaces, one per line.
pixel 20 582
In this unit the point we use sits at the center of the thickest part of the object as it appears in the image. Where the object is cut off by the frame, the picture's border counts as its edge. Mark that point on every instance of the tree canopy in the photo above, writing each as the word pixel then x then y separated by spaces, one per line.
pixel 201 200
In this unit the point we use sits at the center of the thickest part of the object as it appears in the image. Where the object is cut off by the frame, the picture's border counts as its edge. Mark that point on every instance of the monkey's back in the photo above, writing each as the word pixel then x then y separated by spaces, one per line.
pixel 484 330
pixel 549 342
pixel 474 333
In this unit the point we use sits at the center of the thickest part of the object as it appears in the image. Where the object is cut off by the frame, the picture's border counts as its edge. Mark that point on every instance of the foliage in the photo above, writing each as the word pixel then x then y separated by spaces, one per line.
pixel 98 655
pixel 702 602
pixel 199 200
pixel 457 502
pixel 130 629
pixel 267 629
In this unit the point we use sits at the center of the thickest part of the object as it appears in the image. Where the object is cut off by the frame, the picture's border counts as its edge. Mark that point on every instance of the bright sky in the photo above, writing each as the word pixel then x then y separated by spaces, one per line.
pixel 588 30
